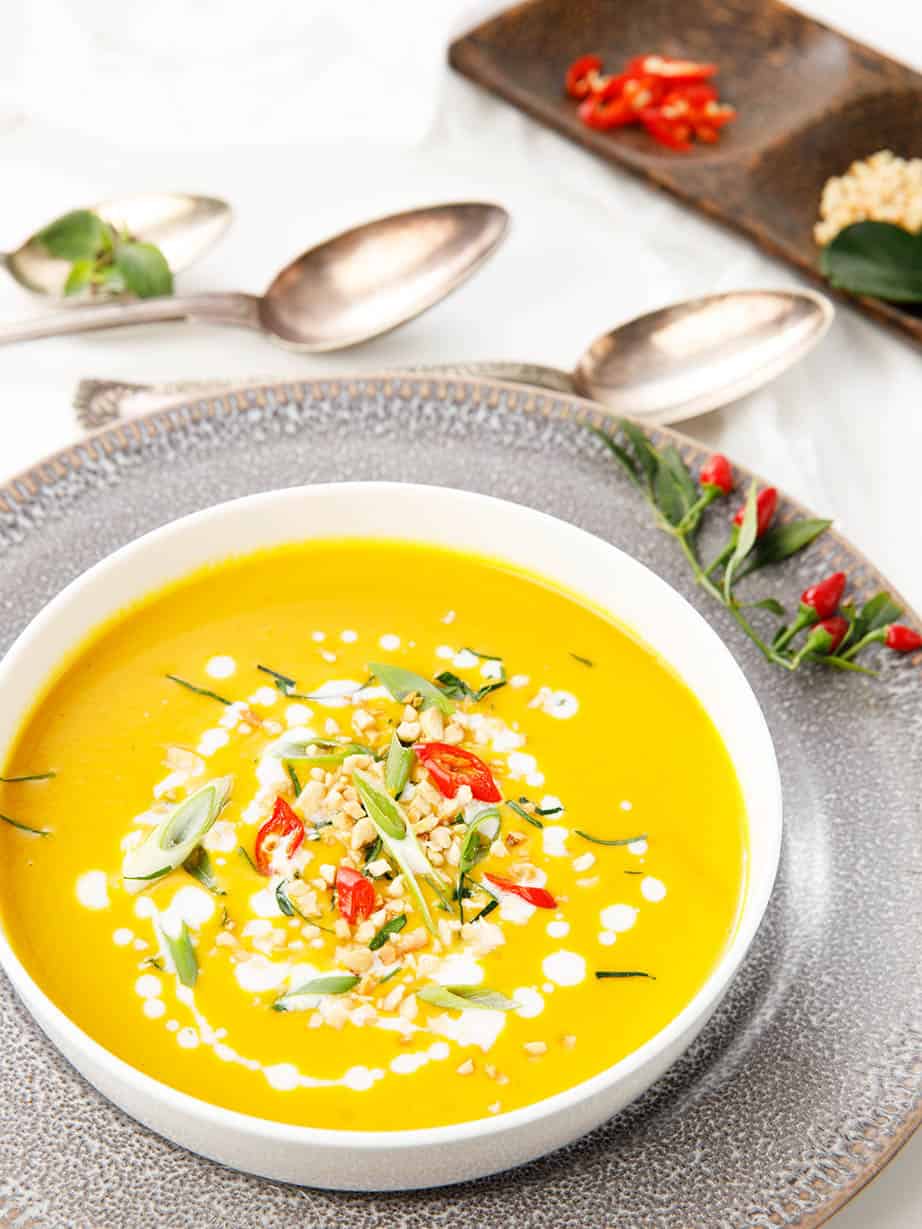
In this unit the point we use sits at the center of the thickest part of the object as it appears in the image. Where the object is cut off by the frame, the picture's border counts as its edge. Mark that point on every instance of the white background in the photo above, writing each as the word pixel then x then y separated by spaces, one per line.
pixel 310 116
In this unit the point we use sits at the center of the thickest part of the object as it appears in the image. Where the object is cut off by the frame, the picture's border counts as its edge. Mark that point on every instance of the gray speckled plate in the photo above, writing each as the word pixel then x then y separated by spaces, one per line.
pixel 809 1077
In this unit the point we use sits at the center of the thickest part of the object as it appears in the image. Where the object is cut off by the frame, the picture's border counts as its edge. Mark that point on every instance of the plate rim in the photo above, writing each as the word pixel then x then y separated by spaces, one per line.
pixel 23 487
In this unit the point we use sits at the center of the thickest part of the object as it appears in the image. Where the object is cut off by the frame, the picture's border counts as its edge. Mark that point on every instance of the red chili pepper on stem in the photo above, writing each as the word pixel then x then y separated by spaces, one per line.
pixel 902 639
pixel 826 636
pixel 766 503
pixel 821 600
pixel 355 895
pixel 717 472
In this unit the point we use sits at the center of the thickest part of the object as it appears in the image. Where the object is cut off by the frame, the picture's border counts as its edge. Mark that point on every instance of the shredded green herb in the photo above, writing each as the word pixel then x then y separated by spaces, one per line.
pixel 487 909
pixel 246 857
pixel 598 840
pixel 602 974
pixel 199 691
pixel 284 902
pixel 198 865
pixel 152 963
pixel 393 927
pixel 482 656
pixel 545 811
pixel 32 776
pixel 293 778
pixel 14 823
pixel 458 689
pixel 393 973
pixel 583 661
pixel 523 814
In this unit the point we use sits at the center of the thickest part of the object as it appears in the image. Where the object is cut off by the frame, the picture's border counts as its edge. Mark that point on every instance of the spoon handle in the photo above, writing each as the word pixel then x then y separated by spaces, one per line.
pixel 229 308
pixel 551 378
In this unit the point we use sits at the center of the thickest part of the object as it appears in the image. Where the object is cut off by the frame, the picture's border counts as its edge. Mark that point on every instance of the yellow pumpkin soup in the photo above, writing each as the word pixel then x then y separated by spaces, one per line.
pixel 369 835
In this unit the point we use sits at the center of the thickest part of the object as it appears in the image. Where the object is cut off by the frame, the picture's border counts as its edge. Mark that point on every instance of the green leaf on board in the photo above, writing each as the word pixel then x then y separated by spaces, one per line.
pixel 78 235
pixel 745 539
pixel 875 258
pixel 143 269
pixel 780 542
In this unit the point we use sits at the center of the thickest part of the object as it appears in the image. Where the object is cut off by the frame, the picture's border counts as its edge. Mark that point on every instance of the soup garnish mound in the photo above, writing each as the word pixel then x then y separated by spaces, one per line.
pixel 369 835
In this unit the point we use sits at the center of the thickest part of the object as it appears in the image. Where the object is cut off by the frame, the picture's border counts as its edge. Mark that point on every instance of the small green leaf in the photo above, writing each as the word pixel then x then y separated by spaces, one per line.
pixel 770 604
pixel 462 998
pixel 144 269
pixel 79 277
pixel 877 612
pixel 745 540
pixel 198 865
pixel 667 495
pixel 398 766
pixel 332 983
pixel 623 457
pixel 393 927
pixel 672 460
pixel 598 840
pixel 643 450
pixel 402 683
pixel 182 953
pixel 781 542
pixel 875 258
pixel 75 236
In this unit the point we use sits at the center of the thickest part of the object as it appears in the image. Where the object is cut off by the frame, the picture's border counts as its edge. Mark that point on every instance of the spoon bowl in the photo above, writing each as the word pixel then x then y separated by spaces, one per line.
pixel 696 356
pixel 183 226
pixel 375 277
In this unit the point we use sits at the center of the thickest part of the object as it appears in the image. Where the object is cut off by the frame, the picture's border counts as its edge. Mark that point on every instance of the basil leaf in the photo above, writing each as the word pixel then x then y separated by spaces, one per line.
pixel 745 540
pixel 398 766
pixel 402 683
pixel 393 927
pixel 332 983
pixel 80 276
pixel 671 460
pixel 667 494
pixel 144 269
pixel 767 603
pixel 74 236
pixel 781 542
pixel 461 998
pixel 182 953
pixel 875 258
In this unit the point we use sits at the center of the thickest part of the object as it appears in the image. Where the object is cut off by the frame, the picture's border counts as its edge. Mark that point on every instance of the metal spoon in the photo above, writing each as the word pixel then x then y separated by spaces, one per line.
pixel 361 283
pixel 184 227
pixel 686 359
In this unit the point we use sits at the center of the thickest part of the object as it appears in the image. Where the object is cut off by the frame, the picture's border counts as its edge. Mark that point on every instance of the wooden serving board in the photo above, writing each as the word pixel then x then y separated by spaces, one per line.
pixel 809 100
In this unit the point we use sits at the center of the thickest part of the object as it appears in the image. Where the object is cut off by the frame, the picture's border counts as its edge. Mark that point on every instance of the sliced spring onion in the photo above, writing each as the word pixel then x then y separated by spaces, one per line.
pixel 331 983
pixel 402 683
pixel 320 752
pixel 399 840
pixel 398 766
pixel 175 837
pixel 393 927
pixel 14 823
pixel 482 830
pixel 198 865
pixel 523 814
pixel 182 954
pixel 462 998
pixel 603 974
pixel 598 840
pixel 199 691
pixel 246 857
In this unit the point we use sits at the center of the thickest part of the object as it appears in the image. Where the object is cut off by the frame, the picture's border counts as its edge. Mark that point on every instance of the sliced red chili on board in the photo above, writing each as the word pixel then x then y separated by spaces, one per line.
pixel 669 69
pixel 451 767
pixel 670 131
pixel 355 895
pixel 282 828
pixel 583 76
pixel 607 108
pixel 539 897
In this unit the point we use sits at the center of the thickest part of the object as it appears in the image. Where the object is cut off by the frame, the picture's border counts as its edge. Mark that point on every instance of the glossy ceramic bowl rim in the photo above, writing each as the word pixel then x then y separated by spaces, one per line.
pixel 265 1130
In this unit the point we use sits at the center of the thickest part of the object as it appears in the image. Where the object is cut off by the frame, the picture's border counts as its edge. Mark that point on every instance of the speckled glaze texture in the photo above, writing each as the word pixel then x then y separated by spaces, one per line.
pixel 810 1075
pixel 809 101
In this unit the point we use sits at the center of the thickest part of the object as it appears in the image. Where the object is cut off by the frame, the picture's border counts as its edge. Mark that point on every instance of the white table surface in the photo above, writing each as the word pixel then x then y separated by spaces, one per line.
pixel 311 117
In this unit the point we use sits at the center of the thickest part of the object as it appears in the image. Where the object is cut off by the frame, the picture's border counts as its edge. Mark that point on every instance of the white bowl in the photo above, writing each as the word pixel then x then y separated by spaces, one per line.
pixel 399 1160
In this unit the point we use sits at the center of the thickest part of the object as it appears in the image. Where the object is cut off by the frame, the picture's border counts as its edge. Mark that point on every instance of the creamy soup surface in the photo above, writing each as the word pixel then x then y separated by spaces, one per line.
pixel 461 844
